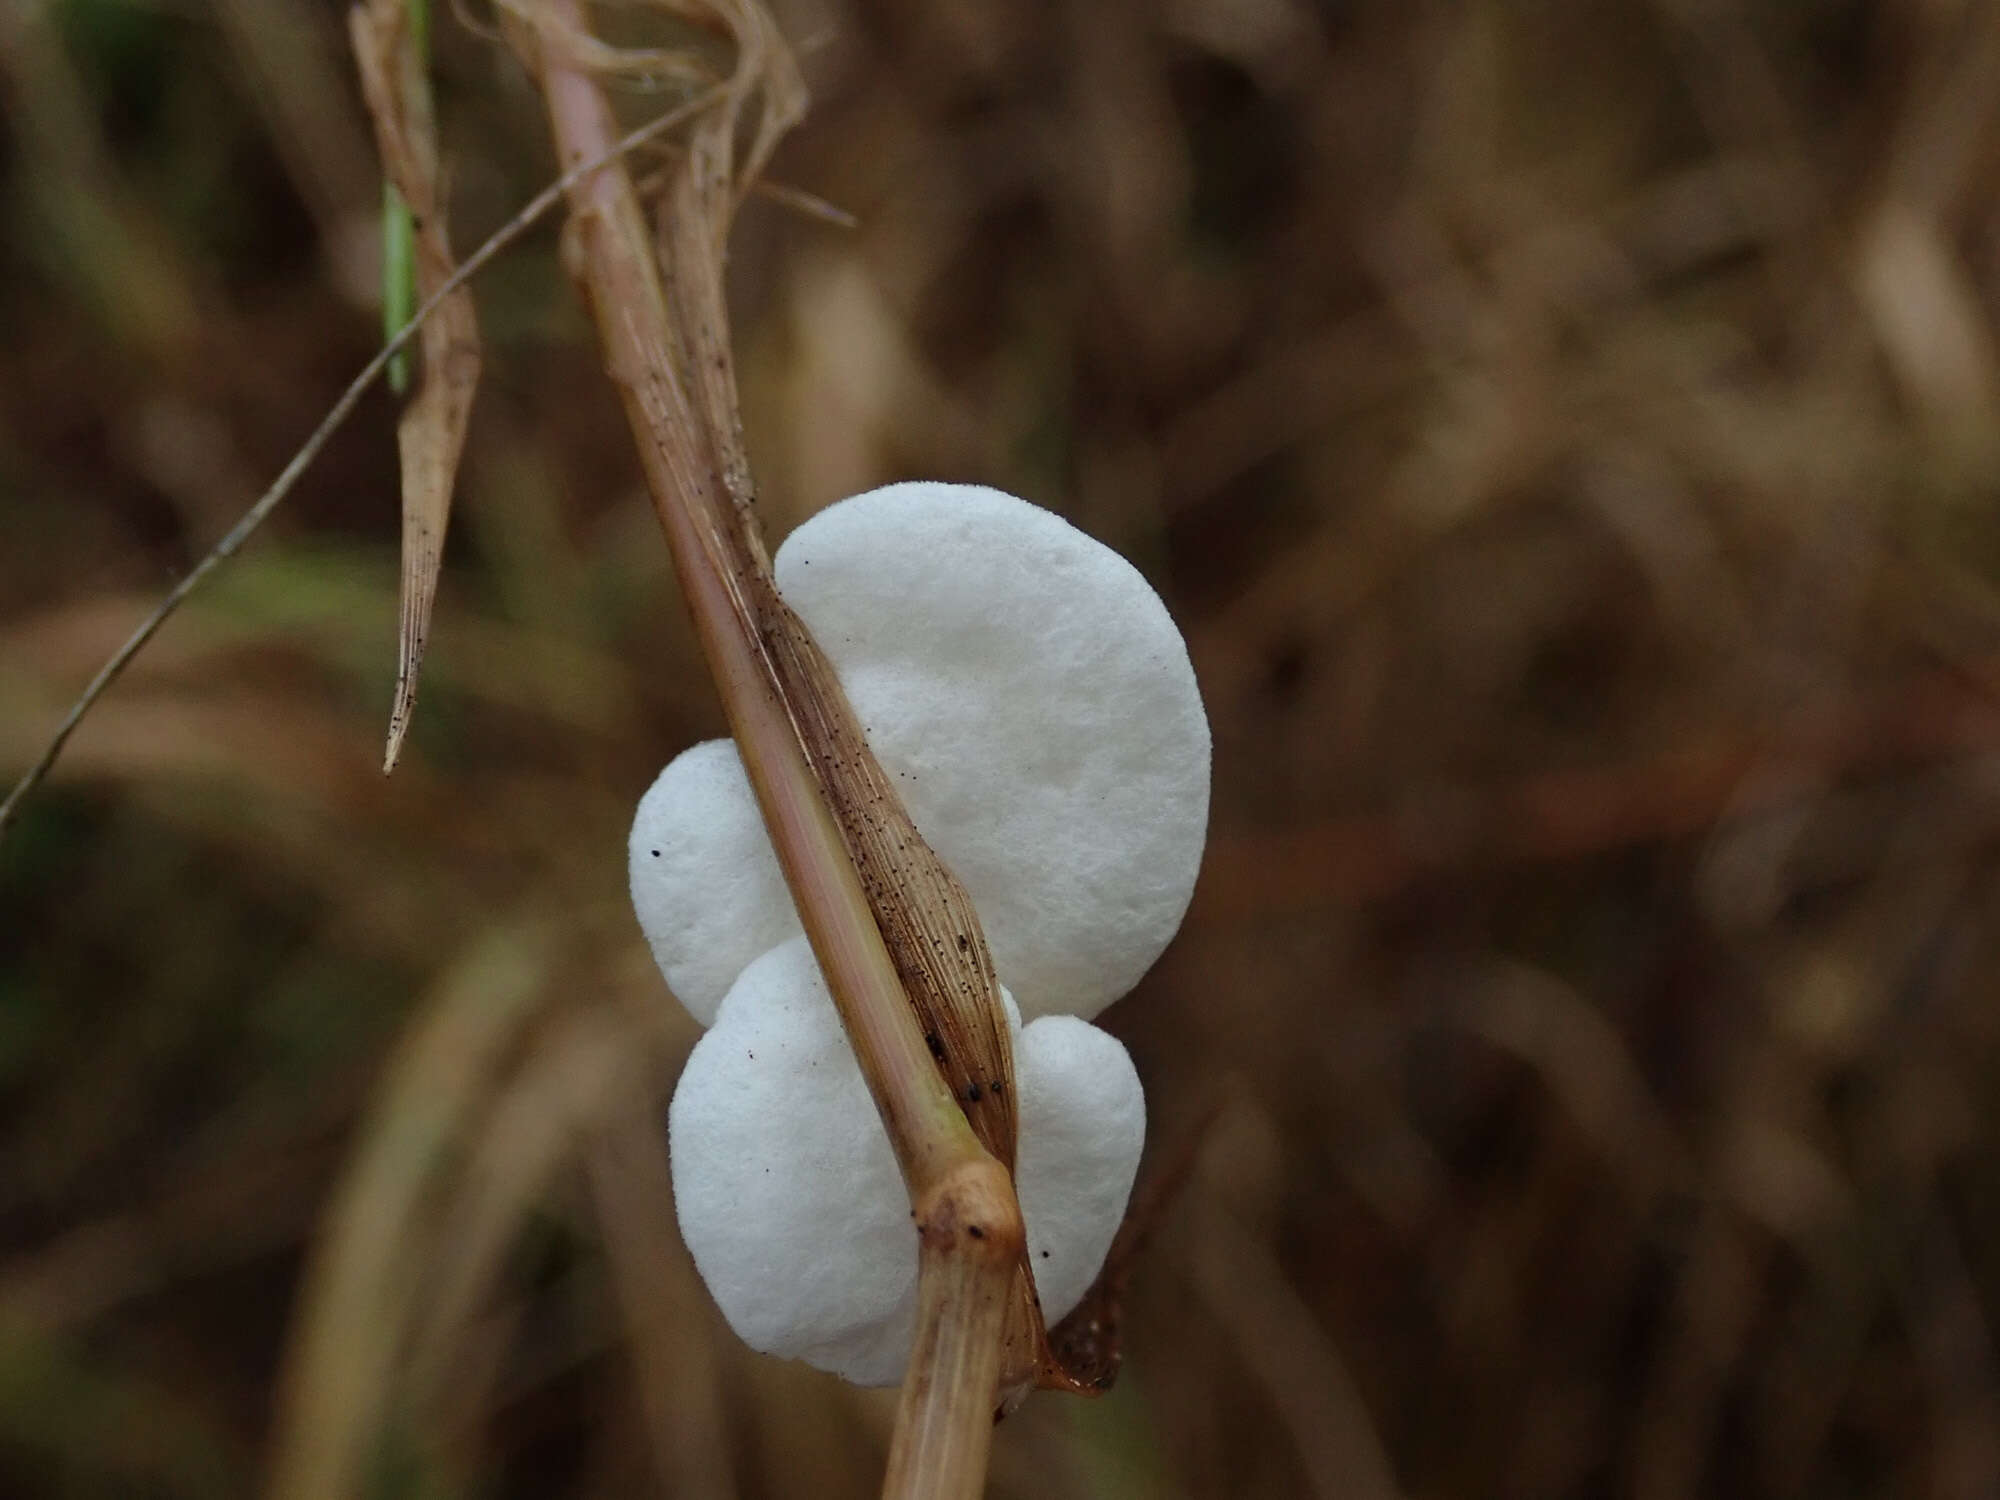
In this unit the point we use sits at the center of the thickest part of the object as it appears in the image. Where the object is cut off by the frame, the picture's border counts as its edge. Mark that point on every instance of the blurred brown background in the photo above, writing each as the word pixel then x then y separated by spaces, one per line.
pixel 1567 433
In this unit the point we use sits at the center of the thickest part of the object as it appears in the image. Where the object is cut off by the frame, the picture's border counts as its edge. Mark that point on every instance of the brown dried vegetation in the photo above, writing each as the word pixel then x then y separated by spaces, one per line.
pixel 1568 436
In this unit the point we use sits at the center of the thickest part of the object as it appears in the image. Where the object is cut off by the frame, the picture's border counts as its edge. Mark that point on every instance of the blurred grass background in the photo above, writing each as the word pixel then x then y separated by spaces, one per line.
pixel 1567 434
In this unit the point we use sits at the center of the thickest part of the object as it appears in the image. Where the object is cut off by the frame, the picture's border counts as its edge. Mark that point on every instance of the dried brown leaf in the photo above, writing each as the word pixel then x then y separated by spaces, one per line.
pixel 430 438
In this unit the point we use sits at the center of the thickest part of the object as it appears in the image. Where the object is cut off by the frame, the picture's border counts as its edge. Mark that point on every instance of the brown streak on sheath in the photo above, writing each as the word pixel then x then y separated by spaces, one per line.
pixel 933 935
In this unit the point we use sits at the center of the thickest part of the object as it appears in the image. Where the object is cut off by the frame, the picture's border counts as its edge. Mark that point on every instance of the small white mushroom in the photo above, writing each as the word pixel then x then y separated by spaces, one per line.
pixel 789 1199
pixel 1028 694
pixel 707 887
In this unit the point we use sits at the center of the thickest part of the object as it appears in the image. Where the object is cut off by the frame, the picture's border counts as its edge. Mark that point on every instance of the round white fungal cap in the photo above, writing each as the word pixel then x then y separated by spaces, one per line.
pixel 789 1198
pixel 706 886
pixel 1030 698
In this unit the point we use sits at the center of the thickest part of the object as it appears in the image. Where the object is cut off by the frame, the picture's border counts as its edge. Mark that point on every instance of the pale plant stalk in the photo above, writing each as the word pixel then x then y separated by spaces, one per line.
pixel 968 1221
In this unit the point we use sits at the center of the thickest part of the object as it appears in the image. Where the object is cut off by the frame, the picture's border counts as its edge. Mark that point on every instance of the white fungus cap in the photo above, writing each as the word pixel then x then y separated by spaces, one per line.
pixel 789 1198
pixel 1027 694
pixel 705 883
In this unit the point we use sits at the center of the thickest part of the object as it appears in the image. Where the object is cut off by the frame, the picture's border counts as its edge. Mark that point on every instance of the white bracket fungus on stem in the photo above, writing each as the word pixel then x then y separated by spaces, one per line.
pixel 1026 691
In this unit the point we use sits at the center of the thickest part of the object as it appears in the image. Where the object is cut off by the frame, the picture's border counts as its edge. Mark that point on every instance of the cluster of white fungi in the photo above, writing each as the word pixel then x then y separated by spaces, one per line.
pixel 1033 703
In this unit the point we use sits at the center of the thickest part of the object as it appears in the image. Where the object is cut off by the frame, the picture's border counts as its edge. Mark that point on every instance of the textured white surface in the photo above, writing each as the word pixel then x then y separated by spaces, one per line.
pixel 789 1198
pixel 1031 700
pixel 706 886
pixel 1030 697
pixel 1083 1122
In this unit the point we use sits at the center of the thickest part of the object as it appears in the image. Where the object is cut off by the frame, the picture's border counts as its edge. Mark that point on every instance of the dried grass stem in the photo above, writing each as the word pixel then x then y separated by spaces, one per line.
pixel 780 699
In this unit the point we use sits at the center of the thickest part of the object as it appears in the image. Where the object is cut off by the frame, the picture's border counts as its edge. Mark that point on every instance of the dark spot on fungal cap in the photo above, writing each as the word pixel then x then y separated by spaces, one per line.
pixel 937 1047
pixel 656 854
pixel 997 1085
pixel 975 1231
pixel 964 942
pixel 1045 1255
pixel 972 1094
